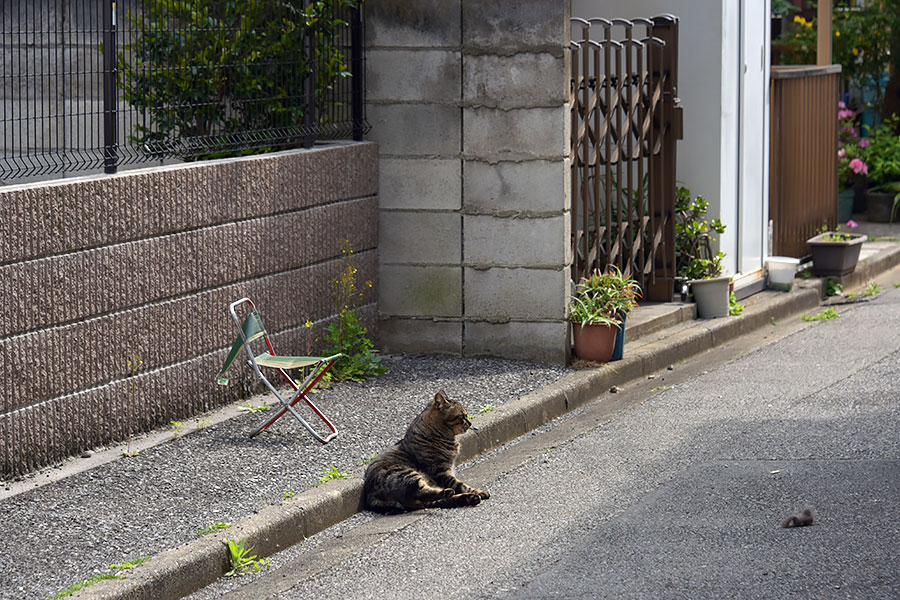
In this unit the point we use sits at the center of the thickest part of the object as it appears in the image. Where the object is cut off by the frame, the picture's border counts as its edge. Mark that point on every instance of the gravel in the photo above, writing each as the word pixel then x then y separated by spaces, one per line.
pixel 66 531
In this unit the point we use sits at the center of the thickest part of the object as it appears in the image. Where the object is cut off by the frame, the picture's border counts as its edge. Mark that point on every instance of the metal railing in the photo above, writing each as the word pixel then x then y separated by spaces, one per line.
pixel 96 84
pixel 624 126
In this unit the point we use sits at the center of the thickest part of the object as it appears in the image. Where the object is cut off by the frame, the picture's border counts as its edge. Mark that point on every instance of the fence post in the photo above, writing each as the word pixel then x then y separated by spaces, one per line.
pixel 110 100
pixel 356 69
pixel 309 90
pixel 663 285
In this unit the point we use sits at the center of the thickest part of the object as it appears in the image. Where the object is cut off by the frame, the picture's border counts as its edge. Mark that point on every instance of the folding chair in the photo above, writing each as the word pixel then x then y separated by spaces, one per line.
pixel 252 329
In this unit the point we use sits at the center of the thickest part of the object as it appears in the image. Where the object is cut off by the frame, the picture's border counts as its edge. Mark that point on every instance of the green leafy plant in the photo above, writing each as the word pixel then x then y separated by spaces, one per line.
pixel 484 408
pixel 834 236
pixel 241 561
pixel 734 308
pixel 861 39
pixel 346 335
pixel 694 256
pixel 882 155
pixel 249 408
pixel 824 315
pixel 288 494
pixel 75 587
pixel 329 473
pixel 872 289
pixel 217 526
pixel 833 288
pixel 207 72
pixel 603 297
pixel 782 7
pixel 176 428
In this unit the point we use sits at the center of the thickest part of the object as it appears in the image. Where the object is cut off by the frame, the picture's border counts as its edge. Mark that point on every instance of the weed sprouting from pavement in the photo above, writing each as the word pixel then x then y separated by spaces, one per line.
pixel 71 589
pixel 217 526
pixel 240 559
pixel 130 564
pixel 329 473
pixel 826 315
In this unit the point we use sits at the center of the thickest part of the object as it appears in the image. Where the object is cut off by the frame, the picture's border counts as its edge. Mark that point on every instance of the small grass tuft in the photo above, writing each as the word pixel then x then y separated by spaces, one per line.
pixel 217 526
pixel 130 564
pixel 252 409
pixel 75 587
pixel 826 315
pixel 486 408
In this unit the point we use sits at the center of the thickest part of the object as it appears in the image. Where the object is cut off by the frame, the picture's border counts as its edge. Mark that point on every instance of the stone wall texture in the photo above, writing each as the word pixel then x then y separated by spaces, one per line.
pixel 468 103
pixel 95 271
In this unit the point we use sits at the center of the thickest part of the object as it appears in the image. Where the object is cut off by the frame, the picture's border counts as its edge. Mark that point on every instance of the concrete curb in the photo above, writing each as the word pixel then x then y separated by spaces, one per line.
pixel 196 564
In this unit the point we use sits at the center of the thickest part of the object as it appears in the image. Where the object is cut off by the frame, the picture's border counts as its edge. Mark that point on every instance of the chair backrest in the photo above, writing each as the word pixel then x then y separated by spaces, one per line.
pixel 251 329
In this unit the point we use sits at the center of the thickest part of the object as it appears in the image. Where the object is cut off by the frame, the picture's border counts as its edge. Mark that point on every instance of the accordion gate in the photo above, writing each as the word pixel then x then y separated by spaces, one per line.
pixel 624 125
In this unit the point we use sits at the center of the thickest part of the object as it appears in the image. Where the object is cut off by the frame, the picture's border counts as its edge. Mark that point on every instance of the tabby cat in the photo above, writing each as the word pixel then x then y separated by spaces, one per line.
pixel 417 472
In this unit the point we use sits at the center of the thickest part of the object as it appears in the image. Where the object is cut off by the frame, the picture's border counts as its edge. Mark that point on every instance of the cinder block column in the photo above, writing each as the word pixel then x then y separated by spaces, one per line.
pixel 468 103
pixel 516 171
pixel 413 72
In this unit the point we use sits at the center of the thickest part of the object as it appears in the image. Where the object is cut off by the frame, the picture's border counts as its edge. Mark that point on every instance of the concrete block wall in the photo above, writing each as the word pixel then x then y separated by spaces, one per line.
pixel 468 103
pixel 96 270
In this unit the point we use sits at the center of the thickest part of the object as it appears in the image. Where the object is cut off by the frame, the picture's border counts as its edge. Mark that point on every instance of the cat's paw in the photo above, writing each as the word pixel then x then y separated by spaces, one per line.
pixel 448 492
pixel 483 494
pixel 472 499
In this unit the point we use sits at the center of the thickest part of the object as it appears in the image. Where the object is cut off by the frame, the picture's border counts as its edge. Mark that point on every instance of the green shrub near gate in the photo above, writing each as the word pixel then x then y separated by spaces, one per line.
pixel 212 69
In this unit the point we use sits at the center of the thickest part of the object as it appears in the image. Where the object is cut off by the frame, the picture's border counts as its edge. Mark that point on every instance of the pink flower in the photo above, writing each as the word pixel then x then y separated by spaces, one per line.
pixel 858 166
pixel 842 154
pixel 845 114
pixel 852 224
pixel 863 143
pixel 841 104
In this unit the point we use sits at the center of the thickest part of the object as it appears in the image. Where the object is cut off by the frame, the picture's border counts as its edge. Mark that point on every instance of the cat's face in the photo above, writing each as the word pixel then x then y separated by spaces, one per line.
pixel 452 413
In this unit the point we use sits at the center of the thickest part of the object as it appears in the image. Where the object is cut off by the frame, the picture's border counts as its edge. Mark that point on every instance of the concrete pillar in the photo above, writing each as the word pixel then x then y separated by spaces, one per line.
pixel 468 102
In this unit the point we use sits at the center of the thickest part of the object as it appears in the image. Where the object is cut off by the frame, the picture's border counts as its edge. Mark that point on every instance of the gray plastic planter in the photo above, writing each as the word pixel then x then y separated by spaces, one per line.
pixel 835 257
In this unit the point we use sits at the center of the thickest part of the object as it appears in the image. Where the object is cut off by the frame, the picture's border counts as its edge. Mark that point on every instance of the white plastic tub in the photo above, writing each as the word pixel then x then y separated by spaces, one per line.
pixel 781 271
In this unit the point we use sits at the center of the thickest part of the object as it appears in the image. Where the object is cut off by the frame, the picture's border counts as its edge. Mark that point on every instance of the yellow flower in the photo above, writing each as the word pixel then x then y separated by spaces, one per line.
pixel 798 19
pixel 856 52
pixel 796 35
pixel 808 24
pixel 837 34
pixel 308 324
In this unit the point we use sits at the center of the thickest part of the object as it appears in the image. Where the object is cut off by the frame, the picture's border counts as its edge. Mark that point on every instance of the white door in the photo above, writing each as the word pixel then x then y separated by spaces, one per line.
pixel 753 145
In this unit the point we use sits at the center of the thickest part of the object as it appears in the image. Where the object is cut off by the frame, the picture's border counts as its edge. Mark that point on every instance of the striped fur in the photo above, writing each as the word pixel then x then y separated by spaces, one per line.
pixel 418 471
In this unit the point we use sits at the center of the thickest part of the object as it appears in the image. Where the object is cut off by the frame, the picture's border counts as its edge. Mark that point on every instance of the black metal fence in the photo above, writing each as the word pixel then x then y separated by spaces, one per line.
pixel 91 84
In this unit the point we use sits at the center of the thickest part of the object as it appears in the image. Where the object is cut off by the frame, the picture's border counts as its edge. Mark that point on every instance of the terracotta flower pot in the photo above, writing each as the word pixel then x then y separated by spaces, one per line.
pixel 594 342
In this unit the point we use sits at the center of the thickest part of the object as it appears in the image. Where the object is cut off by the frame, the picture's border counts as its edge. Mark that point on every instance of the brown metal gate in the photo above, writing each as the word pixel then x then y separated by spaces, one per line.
pixel 624 125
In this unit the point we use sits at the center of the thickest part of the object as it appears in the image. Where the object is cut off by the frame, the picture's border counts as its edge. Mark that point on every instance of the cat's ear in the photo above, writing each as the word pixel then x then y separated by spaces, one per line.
pixel 440 399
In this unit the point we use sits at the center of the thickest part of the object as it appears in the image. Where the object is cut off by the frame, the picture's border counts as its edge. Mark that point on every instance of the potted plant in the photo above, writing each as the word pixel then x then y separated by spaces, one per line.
pixel 598 307
pixel 882 155
pixel 835 252
pixel 694 257
pixel 851 167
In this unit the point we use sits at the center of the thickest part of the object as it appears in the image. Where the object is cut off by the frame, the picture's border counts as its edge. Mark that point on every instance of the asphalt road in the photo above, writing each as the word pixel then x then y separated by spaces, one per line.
pixel 673 488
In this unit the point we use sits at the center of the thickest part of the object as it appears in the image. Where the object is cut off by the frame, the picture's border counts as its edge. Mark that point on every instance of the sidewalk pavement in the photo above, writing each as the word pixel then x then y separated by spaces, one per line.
pixel 657 335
